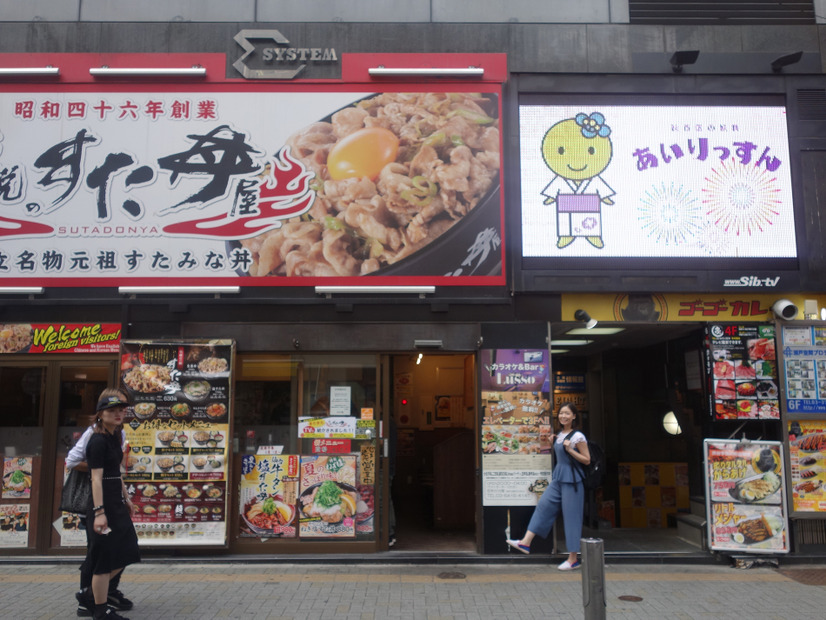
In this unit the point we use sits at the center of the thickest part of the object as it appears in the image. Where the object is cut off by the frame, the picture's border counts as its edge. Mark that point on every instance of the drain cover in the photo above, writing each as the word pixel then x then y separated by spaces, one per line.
pixel 451 575
pixel 630 597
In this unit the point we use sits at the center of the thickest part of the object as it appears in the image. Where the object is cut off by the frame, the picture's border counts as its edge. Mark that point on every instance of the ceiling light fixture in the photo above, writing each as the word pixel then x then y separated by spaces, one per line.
pixel 683 57
pixel 785 61
pixel 594 331
pixel 581 315
pixel 570 343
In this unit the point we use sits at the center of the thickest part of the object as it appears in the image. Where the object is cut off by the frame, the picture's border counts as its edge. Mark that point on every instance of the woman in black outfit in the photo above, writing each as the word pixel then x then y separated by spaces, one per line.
pixel 113 543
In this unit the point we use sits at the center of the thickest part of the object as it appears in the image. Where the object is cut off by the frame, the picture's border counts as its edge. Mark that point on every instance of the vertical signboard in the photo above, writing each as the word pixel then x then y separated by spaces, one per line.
pixel 178 429
pixel 746 496
pixel 742 364
pixel 516 426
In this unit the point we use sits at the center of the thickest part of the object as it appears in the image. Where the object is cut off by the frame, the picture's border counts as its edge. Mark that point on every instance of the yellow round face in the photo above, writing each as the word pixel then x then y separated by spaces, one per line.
pixel 573 156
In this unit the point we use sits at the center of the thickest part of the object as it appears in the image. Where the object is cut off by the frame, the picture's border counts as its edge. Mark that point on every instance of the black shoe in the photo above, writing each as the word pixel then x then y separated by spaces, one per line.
pixel 110 614
pixel 118 601
pixel 85 603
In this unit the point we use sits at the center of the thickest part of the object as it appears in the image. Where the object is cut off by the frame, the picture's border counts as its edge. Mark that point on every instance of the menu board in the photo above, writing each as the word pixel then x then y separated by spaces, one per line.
pixel 177 429
pixel 746 497
pixel 743 367
pixel 807 462
pixel 328 497
pixel 804 368
pixel 269 492
pixel 516 426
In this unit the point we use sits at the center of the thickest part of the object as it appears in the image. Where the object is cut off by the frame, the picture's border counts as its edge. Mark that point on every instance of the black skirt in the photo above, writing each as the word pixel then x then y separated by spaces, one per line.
pixel 118 548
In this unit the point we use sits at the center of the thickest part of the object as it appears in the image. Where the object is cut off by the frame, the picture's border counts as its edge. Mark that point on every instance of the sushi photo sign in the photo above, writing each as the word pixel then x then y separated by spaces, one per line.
pixel 746 496
pixel 742 363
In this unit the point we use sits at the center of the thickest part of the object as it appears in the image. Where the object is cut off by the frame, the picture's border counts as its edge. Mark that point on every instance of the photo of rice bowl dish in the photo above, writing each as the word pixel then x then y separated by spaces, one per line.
pixel 147 378
pixel 392 173
pixel 144 411
pixel 213 365
pixel 15 337
pixel 330 501
pixel 264 515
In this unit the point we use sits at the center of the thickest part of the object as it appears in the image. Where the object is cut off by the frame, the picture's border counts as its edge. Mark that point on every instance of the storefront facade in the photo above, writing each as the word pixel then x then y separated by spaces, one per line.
pixel 134 175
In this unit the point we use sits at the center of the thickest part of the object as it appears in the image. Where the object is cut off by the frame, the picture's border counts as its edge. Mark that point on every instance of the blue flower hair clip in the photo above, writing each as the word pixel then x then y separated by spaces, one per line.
pixel 593 126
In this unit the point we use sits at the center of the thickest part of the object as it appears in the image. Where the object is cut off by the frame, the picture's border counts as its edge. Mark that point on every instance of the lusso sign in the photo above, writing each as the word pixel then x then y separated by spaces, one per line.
pixel 282 61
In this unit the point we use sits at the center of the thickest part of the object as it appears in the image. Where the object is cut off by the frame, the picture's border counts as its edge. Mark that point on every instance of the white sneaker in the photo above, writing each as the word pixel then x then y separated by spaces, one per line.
pixel 566 565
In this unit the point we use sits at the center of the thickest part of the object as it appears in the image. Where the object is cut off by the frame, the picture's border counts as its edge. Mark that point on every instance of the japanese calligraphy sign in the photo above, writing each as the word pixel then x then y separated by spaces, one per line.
pixel 742 363
pixel 136 186
pixel 807 462
pixel 178 428
pixel 269 492
pixel 804 368
pixel 698 182
pixel 746 496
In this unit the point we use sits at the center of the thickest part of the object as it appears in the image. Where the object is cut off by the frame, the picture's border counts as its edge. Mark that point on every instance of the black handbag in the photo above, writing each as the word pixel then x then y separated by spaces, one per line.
pixel 76 496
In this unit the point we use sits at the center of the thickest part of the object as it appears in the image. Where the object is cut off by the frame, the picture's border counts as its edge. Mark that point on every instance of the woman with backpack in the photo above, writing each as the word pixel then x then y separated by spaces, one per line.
pixel 566 492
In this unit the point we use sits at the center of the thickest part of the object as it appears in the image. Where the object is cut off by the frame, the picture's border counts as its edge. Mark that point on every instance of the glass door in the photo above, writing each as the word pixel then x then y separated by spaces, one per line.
pixel 21 426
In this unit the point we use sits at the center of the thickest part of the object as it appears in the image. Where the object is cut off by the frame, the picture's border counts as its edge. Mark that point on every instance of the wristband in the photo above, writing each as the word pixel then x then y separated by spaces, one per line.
pixel 96 508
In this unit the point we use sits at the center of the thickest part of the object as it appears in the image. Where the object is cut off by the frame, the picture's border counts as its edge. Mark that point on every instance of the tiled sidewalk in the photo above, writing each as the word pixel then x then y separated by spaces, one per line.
pixel 427 592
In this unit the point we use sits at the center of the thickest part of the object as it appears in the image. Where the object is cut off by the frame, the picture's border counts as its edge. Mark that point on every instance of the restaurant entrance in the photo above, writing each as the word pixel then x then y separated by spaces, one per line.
pixel 433 485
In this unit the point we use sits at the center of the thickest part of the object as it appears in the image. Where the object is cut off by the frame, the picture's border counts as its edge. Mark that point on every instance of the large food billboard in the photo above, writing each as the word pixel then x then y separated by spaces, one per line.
pixel 142 185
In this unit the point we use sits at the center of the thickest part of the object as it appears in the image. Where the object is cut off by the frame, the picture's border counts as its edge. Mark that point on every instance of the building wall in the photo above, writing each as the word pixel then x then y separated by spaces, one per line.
pixel 434 11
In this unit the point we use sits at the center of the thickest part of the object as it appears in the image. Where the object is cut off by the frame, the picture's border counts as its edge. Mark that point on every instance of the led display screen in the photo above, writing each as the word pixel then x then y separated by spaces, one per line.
pixel 692 186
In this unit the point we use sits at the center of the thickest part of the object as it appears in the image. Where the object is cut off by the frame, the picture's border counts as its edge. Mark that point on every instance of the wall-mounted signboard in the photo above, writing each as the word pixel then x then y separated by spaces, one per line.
pixel 610 183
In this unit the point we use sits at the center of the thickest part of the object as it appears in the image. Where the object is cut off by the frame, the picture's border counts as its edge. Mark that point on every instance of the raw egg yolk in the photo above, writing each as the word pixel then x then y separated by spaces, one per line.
pixel 362 154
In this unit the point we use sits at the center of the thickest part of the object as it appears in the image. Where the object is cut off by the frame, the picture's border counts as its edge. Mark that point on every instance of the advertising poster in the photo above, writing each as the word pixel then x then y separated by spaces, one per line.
pixel 153 187
pixel 633 181
pixel 328 497
pixel 14 525
pixel 516 426
pixel 178 429
pixel 17 477
pixel 59 337
pixel 746 496
pixel 807 461
pixel 514 480
pixel 804 368
pixel 67 526
pixel 743 368
pixel 269 492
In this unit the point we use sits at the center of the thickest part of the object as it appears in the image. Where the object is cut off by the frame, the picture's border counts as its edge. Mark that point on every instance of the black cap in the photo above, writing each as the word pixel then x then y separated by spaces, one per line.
pixel 107 402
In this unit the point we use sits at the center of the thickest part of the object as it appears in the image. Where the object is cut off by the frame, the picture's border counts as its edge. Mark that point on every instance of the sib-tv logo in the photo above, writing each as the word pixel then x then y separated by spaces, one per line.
pixel 752 281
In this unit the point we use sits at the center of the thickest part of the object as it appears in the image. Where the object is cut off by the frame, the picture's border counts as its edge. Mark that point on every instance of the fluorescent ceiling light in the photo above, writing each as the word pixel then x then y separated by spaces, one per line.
pixel 475 72
pixel 29 71
pixel 367 290
pixel 21 290
pixel 570 343
pixel 558 351
pixel 594 331
pixel 176 290
pixel 148 71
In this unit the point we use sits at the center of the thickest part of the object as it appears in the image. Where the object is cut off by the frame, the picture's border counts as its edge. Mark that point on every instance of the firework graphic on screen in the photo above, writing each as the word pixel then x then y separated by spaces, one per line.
pixel 741 200
pixel 670 214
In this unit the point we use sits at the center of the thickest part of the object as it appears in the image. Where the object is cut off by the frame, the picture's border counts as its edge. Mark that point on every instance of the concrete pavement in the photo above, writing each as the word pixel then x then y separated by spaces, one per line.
pixel 206 591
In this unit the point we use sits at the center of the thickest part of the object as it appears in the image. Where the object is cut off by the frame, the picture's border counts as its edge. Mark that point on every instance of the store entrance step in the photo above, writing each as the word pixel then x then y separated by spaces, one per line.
pixel 692 528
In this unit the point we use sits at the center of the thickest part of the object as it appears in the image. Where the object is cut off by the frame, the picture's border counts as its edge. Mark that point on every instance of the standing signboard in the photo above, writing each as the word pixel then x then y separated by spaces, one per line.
pixel 178 429
pixel 746 496
pixel 516 426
